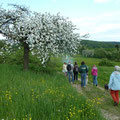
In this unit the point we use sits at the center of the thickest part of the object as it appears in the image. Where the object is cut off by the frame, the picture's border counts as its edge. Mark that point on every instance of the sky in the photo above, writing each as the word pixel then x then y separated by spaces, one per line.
pixel 99 18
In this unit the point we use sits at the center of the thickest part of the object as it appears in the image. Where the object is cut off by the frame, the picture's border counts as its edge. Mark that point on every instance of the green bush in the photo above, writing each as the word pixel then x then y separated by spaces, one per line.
pixel 105 62
pixel 1 59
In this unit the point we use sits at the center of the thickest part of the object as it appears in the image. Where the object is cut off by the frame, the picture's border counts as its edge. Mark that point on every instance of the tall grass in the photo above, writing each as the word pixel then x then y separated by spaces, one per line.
pixel 41 96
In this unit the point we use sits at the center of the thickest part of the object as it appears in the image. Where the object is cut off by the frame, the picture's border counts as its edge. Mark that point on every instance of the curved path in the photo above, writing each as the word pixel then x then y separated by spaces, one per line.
pixel 108 115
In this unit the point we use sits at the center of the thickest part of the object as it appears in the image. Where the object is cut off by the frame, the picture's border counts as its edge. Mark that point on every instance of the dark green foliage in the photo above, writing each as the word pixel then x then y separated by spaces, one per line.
pixel 108 50
pixel 100 53
pixel 105 62
pixel 1 44
pixel 81 48
pixel 96 44
pixel 117 47
pixel 1 59
pixel 103 53
pixel 14 57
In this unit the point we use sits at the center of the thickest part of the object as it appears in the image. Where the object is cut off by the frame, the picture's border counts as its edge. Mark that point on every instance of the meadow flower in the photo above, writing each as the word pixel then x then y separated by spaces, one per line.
pixel 73 113
pixel 79 111
pixel 30 118
pixel 67 118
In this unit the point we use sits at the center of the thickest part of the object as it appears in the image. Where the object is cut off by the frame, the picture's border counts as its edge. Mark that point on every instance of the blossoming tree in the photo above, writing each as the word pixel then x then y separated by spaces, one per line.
pixel 40 34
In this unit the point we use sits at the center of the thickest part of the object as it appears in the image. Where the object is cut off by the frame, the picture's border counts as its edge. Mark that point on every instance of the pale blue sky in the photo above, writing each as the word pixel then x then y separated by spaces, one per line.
pixel 99 18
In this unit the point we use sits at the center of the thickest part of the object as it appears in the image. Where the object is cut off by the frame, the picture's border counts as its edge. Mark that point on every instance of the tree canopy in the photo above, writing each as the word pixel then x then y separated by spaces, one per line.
pixel 42 33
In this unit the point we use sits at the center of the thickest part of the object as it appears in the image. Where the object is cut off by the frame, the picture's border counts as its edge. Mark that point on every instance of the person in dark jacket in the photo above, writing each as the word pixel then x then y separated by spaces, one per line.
pixel 75 71
pixel 70 72
pixel 83 71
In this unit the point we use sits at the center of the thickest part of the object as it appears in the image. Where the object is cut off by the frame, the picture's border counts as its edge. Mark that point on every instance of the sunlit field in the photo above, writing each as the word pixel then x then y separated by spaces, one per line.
pixel 41 96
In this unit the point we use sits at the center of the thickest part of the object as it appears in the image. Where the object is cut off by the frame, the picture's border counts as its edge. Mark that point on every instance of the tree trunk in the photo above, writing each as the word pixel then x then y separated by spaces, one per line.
pixel 26 56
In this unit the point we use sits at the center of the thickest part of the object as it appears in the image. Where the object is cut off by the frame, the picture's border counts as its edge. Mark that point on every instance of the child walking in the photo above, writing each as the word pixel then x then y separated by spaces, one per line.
pixel 94 73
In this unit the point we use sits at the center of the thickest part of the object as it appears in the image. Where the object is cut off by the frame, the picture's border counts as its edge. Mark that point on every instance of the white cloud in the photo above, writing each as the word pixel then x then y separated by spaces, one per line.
pixel 105 28
pixel 104 25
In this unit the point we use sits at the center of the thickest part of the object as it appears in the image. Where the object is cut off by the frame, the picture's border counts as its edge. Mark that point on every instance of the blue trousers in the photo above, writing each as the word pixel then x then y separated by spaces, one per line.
pixel 70 76
pixel 83 79
pixel 95 80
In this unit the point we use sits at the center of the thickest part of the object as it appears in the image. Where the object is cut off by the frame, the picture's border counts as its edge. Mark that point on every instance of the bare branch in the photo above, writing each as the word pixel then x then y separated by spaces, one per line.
pixel 86 35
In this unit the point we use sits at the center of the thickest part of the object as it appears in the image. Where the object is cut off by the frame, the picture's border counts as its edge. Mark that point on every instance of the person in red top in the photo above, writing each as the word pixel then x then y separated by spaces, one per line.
pixel 94 73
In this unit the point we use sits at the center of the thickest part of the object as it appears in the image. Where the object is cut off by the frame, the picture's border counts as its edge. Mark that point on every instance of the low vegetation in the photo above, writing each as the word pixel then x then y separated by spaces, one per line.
pixel 41 96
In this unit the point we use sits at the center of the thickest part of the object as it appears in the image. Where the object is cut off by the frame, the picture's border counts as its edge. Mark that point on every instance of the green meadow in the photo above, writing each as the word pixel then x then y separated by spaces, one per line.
pixel 30 95
pixel 103 71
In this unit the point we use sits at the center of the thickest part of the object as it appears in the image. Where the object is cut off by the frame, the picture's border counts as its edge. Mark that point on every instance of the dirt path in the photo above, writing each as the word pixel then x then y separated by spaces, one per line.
pixel 78 87
pixel 108 115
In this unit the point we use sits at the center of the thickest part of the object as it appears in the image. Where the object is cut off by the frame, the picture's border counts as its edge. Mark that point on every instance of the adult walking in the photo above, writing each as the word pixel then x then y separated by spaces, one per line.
pixel 75 71
pixel 114 85
pixel 65 69
pixel 70 72
pixel 94 73
pixel 83 71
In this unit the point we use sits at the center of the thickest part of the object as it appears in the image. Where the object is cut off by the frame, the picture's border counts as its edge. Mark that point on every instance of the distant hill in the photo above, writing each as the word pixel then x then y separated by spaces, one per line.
pixel 97 44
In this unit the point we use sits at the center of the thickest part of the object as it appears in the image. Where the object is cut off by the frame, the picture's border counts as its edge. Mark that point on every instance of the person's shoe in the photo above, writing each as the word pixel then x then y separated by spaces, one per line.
pixel 115 104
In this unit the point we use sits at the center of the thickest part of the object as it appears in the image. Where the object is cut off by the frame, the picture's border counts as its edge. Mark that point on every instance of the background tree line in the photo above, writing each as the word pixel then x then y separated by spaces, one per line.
pixel 108 50
pixel 97 44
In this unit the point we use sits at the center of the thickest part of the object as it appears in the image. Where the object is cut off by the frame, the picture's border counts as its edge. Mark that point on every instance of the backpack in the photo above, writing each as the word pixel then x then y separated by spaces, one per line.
pixel 106 86
pixel 69 67
pixel 76 69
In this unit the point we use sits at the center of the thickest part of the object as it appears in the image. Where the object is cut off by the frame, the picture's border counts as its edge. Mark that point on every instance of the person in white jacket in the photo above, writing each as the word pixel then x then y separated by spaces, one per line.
pixel 65 69
pixel 114 85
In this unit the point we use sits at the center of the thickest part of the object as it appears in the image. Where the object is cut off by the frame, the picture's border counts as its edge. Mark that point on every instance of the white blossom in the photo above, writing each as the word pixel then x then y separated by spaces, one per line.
pixel 45 34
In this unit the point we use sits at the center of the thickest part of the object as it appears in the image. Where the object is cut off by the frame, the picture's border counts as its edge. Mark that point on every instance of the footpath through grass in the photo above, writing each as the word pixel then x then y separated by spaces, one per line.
pixel 98 95
pixel 41 96
pixel 102 99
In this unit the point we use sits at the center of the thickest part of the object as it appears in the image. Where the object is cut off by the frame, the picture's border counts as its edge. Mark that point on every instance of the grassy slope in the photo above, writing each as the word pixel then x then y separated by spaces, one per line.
pixel 97 95
pixel 44 96
pixel 32 96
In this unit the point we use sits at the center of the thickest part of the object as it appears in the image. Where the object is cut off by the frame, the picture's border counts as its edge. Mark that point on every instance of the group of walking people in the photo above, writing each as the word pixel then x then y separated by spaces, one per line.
pixel 72 72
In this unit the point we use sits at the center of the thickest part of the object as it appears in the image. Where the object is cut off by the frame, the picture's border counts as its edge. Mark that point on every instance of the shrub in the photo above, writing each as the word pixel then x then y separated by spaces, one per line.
pixel 88 53
pixel 100 53
pixel 105 62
